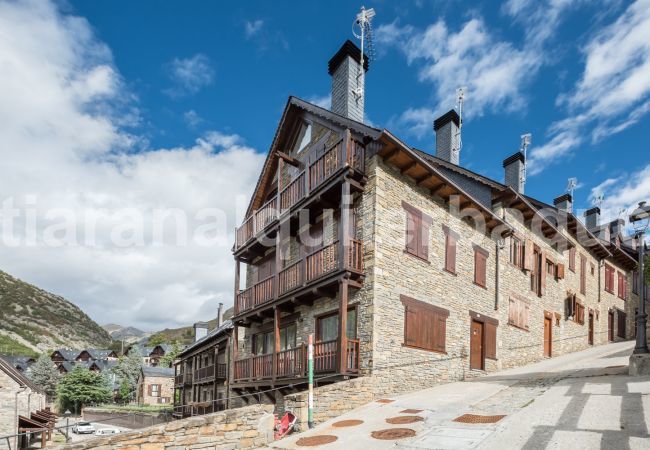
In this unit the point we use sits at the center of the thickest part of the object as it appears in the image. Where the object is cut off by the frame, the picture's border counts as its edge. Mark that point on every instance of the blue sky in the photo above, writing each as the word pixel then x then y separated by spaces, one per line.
pixel 258 53
pixel 113 110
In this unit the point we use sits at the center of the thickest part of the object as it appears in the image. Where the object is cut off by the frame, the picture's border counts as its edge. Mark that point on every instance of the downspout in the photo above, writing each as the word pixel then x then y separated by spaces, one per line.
pixel 496 276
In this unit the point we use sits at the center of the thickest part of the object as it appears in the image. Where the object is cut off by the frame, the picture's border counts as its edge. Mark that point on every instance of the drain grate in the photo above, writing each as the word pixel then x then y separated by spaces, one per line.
pixel 347 423
pixel 393 433
pixel 411 411
pixel 615 367
pixel 475 418
pixel 385 400
pixel 313 441
pixel 401 420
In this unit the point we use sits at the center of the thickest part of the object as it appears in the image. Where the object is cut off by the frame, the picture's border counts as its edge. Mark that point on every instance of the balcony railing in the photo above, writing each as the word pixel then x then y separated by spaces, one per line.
pixel 317 172
pixel 292 363
pixel 313 266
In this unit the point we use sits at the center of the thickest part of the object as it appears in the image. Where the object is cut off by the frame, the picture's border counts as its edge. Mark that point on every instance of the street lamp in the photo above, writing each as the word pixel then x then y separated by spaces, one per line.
pixel 640 218
pixel 66 414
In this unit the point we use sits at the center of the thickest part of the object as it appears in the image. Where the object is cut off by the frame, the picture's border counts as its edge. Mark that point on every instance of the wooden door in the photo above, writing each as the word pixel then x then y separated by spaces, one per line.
pixel 548 337
pixel 610 326
pixel 591 328
pixel 476 354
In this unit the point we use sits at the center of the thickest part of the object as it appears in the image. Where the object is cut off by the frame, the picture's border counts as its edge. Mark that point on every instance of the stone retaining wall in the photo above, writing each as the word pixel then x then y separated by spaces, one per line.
pixel 248 427
pixel 127 419
pixel 332 400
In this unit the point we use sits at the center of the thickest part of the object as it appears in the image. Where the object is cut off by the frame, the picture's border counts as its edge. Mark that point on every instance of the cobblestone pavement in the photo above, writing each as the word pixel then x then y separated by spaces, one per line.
pixel 582 400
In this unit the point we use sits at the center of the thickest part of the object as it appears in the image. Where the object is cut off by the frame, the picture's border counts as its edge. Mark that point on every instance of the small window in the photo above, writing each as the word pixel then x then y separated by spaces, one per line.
pixel 155 390
pixel 572 259
pixel 425 325
pixel 417 232
pixel 451 240
pixel 550 268
pixel 517 252
pixel 480 266
pixel 593 269
pixel 327 327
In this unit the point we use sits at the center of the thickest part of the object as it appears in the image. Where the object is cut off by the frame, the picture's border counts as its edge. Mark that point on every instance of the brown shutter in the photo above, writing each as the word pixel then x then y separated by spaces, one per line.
pixel 450 253
pixel 411 235
pixel 490 340
pixel 583 274
pixel 512 311
pixel 529 255
pixel 423 239
pixel 440 332
pixel 410 326
pixel 149 390
pixel 560 271
pixel 542 273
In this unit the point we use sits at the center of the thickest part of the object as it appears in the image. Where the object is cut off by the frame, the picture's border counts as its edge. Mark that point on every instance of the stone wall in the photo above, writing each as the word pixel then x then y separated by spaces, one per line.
pixel 248 427
pixel 28 402
pixel 131 420
pixel 332 400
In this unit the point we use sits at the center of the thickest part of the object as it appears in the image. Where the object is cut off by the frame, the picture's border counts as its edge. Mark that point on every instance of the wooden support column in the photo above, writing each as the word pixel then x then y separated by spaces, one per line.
pixel 276 340
pixel 347 142
pixel 278 260
pixel 343 318
pixel 237 264
pixel 345 225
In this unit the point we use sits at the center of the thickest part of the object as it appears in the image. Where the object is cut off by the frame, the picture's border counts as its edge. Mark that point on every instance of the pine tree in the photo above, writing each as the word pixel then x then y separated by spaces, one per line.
pixel 82 387
pixel 127 371
pixel 44 374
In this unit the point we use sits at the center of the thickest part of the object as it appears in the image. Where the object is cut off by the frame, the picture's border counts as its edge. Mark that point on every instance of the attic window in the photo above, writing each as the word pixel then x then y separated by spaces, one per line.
pixel 303 138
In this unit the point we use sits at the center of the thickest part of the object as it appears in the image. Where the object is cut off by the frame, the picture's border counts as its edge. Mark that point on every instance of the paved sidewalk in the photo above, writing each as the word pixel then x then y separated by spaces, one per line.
pixel 582 400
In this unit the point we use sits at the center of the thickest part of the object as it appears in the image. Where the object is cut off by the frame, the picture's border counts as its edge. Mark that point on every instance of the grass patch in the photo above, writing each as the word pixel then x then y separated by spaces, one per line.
pixel 9 346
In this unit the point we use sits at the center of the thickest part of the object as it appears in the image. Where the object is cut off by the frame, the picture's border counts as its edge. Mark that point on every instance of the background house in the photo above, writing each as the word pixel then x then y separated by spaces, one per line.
pixel 155 386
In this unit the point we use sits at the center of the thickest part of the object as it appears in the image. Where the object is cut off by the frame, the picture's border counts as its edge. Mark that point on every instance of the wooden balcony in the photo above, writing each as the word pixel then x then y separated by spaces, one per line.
pixel 326 166
pixel 302 273
pixel 292 363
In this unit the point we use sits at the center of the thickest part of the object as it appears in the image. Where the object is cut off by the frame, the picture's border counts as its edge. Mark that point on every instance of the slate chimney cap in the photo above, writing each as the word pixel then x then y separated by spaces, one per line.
pixel 447 117
pixel 518 156
pixel 563 197
pixel 347 49
pixel 594 210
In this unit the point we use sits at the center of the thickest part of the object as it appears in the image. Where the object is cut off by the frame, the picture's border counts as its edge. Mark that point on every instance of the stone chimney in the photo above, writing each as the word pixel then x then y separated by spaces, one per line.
pixel 592 218
pixel 616 227
pixel 564 202
pixel 514 172
pixel 447 137
pixel 200 330
pixel 347 86
pixel 220 315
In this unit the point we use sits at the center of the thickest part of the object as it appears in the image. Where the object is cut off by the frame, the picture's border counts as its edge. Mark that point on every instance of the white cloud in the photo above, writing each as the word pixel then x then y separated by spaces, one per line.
pixel 324 101
pixel 613 92
pixel 494 72
pixel 416 121
pixel 189 75
pixel 622 194
pixel 253 28
pixel 65 151
pixel 192 118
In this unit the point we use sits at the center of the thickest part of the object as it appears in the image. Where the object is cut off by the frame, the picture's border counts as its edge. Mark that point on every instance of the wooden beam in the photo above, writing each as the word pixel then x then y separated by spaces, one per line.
pixel 390 154
pixel 438 189
pixel 343 317
pixel 422 179
pixel 289 159
pixel 408 167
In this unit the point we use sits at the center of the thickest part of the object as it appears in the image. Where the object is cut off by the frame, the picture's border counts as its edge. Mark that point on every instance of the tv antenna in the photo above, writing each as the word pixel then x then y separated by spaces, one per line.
pixel 571 185
pixel 460 98
pixel 526 139
pixel 364 22
pixel 599 200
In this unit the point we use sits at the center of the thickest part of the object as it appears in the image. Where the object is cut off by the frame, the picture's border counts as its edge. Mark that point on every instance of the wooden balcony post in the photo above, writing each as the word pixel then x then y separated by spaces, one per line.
pixel 235 344
pixel 276 340
pixel 345 225
pixel 342 365
pixel 278 260
pixel 236 285
pixel 346 148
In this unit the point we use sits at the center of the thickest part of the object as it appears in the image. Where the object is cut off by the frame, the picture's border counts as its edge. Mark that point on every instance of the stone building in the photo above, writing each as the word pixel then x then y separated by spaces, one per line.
pixel 18 397
pixel 406 266
pixel 155 386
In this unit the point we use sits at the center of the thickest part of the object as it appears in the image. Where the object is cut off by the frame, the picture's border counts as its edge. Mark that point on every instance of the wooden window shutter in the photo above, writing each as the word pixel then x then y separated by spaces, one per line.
pixel 451 253
pixel 542 274
pixel 411 234
pixel 440 332
pixel 583 274
pixel 512 311
pixel 410 326
pixel 572 259
pixel 490 340
pixel 560 271
pixel 149 390
pixel 529 261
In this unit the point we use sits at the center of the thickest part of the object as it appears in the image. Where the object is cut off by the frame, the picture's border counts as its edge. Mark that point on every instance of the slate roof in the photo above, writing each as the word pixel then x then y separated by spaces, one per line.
pixel 158 371
pixel 18 377
pixel 225 326
pixel 67 353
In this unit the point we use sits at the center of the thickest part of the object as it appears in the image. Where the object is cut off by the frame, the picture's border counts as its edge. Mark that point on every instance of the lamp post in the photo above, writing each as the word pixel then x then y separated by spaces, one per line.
pixel 66 414
pixel 640 218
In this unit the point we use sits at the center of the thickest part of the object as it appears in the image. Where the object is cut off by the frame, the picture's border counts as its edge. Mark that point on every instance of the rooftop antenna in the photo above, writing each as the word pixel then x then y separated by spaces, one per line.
pixel 363 21
pixel 460 98
pixel 599 200
pixel 572 183
pixel 526 139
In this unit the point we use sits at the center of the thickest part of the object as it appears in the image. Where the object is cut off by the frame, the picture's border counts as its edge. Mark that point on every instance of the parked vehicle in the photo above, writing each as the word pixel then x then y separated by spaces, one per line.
pixel 83 428
pixel 106 431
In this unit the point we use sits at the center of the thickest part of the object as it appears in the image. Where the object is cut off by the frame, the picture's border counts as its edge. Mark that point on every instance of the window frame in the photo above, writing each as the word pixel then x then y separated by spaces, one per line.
pixel 319 317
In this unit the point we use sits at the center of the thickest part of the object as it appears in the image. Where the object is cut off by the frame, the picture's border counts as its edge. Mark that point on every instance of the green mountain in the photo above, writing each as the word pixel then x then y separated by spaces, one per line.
pixel 183 335
pixel 37 320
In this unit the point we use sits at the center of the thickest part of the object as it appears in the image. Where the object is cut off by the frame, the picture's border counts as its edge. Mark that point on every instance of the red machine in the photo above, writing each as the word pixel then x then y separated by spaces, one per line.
pixel 285 425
